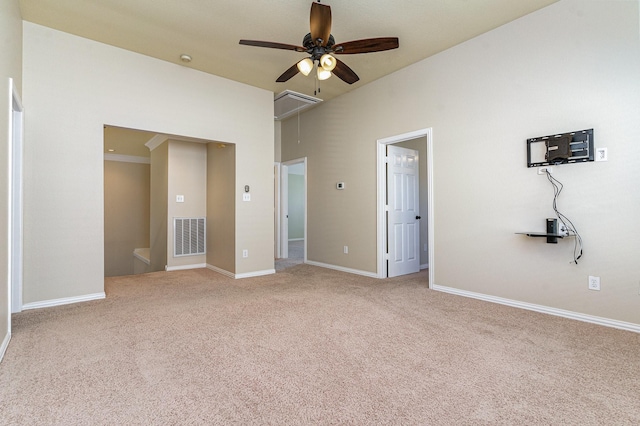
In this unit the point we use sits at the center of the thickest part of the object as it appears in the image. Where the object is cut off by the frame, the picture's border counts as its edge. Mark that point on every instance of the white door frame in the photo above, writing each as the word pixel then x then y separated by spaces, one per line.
pixel 381 198
pixel 284 207
pixel 276 208
pixel 15 261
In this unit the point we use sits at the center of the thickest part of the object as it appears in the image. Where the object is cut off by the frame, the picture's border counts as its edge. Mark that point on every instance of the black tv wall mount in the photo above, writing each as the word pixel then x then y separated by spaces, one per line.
pixel 563 148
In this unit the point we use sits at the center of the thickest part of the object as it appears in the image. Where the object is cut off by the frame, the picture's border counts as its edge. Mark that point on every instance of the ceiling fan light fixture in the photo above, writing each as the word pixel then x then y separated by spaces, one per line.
pixel 328 62
pixel 323 74
pixel 305 66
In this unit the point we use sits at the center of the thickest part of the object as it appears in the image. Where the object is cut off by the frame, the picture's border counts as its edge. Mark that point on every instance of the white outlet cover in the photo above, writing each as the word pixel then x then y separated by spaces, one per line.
pixel 246 197
pixel 601 154
pixel 594 283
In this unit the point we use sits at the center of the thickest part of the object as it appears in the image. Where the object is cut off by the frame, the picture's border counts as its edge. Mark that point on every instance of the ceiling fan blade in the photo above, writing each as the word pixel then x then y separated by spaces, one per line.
pixel 344 73
pixel 288 74
pixel 272 45
pixel 366 45
pixel 320 22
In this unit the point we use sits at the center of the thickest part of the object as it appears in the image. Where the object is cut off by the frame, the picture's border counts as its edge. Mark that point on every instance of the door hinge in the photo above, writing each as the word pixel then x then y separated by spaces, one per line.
pixel 386 256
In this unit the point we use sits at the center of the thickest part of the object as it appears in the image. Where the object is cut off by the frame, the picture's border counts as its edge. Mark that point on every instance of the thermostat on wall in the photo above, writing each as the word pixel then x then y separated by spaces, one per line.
pixel 340 185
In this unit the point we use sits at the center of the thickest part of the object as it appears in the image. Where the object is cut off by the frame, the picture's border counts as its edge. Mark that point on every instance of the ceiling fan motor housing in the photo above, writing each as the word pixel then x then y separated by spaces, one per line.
pixel 308 42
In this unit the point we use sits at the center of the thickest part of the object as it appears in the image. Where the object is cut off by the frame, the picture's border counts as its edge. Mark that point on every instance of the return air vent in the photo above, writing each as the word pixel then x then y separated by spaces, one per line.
pixel 189 236
pixel 289 102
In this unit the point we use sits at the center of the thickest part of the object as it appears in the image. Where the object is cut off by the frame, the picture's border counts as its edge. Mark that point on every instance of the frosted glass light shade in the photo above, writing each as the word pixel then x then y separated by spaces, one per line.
pixel 305 66
pixel 323 74
pixel 328 62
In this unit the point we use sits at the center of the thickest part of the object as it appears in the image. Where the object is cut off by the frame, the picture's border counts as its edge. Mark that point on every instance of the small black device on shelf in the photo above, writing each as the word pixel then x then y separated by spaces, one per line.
pixel 552 234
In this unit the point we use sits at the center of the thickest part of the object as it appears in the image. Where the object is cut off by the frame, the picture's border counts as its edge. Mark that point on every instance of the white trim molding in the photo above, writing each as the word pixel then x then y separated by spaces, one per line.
pixel 156 141
pixel 240 276
pixel 185 267
pixel 255 273
pixel 628 326
pixel 63 301
pixel 221 271
pixel 5 345
pixel 343 269
pixel 127 158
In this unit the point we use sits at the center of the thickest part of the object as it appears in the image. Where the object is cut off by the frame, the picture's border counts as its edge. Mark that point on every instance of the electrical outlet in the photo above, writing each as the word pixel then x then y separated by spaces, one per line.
pixel 543 170
pixel 594 283
pixel 245 253
pixel 562 229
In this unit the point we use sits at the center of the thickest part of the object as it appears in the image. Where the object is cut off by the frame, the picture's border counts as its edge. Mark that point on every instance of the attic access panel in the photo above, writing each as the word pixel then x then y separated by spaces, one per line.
pixel 564 148
pixel 289 102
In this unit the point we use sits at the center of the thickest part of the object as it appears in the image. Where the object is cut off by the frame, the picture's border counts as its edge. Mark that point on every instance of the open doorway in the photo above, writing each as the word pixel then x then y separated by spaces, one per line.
pixel 169 203
pixel 419 141
pixel 293 212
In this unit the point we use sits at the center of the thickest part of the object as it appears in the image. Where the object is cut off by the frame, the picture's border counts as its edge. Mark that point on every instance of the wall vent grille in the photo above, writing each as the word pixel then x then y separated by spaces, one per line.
pixel 189 236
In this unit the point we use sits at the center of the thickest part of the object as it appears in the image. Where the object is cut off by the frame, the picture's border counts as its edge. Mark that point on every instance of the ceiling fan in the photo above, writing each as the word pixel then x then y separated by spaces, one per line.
pixel 320 45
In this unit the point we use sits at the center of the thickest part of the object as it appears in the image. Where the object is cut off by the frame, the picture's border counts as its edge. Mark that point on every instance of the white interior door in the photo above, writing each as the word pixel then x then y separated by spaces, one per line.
pixel 298 166
pixel 403 211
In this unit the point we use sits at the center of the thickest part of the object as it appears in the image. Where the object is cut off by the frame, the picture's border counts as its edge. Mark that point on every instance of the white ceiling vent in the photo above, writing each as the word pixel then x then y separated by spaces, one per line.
pixel 290 102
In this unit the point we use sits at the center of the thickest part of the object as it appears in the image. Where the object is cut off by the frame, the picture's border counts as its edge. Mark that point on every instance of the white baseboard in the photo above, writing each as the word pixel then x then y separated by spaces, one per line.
pixel 185 267
pixel 238 276
pixel 425 266
pixel 256 273
pixel 342 269
pixel 542 309
pixel 221 271
pixel 5 344
pixel 63 301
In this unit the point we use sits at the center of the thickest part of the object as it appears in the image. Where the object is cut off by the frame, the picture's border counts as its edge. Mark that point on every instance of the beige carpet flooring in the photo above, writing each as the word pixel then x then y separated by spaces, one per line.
pixel 296 256
pixel 310 346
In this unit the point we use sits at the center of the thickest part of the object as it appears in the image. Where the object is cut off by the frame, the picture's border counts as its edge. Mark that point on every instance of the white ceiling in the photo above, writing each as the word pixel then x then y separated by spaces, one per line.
pixel 209 31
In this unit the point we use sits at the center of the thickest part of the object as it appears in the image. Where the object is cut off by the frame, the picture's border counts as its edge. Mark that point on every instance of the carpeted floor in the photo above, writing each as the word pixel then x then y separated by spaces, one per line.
pixel 310 346
pixel 296 256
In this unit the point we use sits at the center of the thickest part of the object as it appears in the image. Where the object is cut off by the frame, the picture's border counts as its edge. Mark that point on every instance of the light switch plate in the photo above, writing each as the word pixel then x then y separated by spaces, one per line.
pixel 179 198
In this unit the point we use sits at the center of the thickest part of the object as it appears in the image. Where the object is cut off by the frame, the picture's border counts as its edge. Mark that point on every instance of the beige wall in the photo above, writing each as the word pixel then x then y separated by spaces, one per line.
pixel 10 68
pixel 158 207
pixel 187 177
pixel 573 65
pixel 126 214
pixel 221 212
pixel 74 86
